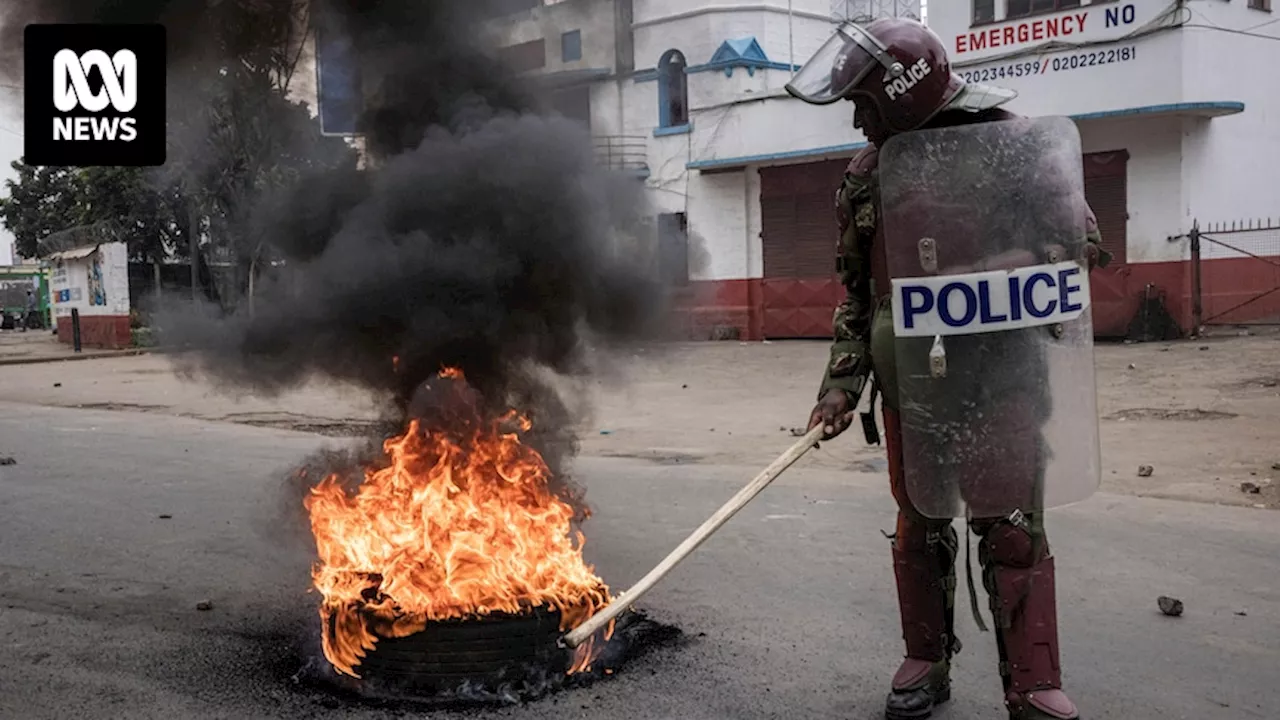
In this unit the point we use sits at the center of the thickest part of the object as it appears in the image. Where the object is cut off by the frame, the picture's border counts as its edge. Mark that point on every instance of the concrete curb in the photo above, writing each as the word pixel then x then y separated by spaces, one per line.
pixel 101 355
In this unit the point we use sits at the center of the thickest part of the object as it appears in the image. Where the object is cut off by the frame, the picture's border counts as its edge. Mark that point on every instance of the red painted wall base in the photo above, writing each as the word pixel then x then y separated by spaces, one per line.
pixel 109 332
pixel 759 309
pixel 707 310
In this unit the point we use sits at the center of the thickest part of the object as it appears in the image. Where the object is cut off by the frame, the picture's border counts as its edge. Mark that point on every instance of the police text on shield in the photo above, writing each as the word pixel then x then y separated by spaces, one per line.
pixel 989 301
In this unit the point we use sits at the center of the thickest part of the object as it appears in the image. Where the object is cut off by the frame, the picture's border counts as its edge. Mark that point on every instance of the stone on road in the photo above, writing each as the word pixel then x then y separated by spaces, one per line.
pixel 788 611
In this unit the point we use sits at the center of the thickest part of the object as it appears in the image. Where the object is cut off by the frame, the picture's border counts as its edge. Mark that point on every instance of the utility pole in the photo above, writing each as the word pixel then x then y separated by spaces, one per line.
pixel 791 36
pixel 193 240
pixel 1197 299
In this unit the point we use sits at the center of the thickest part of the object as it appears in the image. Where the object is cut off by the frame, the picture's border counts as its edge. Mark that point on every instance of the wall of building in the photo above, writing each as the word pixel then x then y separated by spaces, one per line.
pixel 1230 161
pixel 742 114
pixel 97 286
pixel 594 20
pixel 1155 190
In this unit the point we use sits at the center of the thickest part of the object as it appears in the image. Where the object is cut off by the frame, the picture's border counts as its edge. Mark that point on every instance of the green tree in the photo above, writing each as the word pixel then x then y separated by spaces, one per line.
pixel 237 146
pixel 237 142
pixel 41 201
pixel 108 203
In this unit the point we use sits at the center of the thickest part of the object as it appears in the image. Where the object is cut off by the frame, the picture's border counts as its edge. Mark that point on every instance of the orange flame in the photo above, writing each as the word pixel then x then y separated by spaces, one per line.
pixel 460 523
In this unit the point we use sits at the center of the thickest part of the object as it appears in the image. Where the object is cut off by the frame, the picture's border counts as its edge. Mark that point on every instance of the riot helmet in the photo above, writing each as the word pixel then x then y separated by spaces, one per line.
pixel 894 67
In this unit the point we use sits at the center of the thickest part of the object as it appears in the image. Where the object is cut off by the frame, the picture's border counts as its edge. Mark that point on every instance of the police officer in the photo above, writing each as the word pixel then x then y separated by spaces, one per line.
pixel 1017 566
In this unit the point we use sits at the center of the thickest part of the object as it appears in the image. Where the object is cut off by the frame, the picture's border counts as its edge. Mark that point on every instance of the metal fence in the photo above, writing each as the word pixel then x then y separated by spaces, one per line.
pixel 1242 284
pixel 629 153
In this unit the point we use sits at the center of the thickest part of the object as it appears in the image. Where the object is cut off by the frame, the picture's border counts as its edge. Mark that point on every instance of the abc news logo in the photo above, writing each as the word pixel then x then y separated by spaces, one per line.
pixel 95 95
pixel 71 90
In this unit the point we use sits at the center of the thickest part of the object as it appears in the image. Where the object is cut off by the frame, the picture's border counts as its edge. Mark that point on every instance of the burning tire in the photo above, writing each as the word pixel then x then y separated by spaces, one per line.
pixel 483 653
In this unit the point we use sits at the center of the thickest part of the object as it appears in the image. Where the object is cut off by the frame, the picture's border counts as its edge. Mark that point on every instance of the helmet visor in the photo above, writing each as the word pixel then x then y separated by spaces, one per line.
pixel 976 97
pixel 821 80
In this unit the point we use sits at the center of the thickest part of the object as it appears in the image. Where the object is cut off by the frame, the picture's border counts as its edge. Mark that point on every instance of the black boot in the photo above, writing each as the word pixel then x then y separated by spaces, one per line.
pixel 924 565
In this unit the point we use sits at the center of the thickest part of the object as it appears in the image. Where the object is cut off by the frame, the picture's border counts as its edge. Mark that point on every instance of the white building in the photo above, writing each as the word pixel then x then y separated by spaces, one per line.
pixel 1176 102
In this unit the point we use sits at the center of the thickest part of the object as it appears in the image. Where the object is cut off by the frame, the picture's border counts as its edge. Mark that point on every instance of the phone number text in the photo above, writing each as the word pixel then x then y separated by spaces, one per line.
pixel 1056 64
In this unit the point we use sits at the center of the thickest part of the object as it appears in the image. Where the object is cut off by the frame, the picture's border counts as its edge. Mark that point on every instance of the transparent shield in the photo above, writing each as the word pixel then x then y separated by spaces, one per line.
pixel 985 242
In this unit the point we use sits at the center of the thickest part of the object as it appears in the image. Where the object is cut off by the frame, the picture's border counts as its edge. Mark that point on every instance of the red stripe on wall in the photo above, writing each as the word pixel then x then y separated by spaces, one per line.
pixel 1226 282
pixel 110 332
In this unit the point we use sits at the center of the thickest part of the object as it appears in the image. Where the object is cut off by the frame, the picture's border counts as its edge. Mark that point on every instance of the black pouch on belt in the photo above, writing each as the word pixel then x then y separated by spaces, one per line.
pixel 869 427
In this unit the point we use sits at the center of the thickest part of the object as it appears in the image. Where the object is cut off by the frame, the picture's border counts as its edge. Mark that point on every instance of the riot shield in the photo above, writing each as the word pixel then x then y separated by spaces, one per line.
pixel 985 241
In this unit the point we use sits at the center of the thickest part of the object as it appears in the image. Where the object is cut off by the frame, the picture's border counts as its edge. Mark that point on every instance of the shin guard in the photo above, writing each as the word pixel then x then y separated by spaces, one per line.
pixel 1019 575
pixel 925 571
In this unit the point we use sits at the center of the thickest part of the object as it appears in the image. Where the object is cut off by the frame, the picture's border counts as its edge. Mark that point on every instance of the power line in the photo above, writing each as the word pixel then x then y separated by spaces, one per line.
pixel 1246 33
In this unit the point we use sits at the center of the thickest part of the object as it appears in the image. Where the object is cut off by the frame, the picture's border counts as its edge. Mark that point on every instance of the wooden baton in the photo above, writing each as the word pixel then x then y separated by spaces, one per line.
pixel 620 604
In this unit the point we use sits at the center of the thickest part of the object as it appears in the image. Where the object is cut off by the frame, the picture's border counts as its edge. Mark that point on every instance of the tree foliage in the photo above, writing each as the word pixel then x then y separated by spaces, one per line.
pixel 117 203
pixel 237 144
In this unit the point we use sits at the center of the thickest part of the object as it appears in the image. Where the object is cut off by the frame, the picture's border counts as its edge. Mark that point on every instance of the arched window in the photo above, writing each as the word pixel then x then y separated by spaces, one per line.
pixel 673 90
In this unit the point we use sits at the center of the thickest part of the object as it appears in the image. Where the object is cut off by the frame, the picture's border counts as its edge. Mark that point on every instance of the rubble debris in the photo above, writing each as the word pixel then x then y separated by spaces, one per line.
pixel 1146 471
pixel 1133 366
pixel 1242 613
pixel 57 384
pixel 166 517
pixel 1275 466
pixel 6 460
pixel 684 387
pixel 1250 488
pixel 1204 347
pixel 1170 606
pixel 797 432
pixel 204 606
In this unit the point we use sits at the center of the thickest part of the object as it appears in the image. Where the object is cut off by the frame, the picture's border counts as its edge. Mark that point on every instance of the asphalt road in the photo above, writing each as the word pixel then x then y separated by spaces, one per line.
pixel 787 613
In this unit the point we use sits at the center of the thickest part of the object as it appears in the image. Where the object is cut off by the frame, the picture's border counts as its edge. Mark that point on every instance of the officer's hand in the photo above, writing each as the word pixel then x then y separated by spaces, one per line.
pixel 834 412
pixel 1091 255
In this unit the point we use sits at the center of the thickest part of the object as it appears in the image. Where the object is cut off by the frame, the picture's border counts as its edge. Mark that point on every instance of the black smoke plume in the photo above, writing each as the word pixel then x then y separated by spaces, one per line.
pixel 482 236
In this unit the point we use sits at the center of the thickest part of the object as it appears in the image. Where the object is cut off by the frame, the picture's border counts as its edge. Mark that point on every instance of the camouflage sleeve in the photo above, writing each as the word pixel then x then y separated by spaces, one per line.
pixel 1094 237
pixel 850 360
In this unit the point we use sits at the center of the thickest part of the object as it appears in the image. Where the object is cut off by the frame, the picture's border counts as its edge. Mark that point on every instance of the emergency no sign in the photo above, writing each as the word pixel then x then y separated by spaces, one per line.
pixel 1079 26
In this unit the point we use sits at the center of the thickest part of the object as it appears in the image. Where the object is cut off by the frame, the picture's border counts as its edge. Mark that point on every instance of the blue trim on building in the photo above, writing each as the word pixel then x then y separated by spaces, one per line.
pixel 673 130
pixel 651 74
pixel 1209 109
pixel 773 157
pixel 743 48
pixel 750 65
pixel 565 78
pixel 739 52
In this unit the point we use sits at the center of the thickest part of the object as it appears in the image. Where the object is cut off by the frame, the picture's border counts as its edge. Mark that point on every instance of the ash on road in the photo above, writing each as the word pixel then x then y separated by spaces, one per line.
pixel 788 612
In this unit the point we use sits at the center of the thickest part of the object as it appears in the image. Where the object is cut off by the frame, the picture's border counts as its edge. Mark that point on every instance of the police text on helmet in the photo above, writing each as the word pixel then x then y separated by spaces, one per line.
pixel 899 86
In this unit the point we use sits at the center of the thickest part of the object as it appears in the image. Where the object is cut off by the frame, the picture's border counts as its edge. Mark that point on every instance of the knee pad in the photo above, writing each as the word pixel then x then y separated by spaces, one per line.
pixel 1009 544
